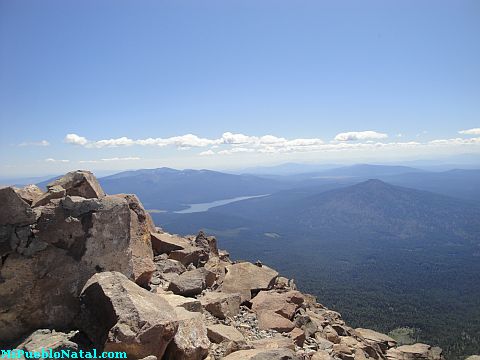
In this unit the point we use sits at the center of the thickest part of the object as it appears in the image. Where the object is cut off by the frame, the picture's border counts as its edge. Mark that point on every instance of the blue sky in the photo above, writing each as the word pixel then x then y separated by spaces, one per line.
pixel 254 82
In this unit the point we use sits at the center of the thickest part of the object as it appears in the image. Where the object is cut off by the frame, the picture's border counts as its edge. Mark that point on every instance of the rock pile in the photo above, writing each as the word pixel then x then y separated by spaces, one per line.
pixel 81 269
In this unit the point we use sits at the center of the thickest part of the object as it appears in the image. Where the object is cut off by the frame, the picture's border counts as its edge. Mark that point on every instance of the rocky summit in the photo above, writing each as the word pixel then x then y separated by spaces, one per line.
pixel 81 269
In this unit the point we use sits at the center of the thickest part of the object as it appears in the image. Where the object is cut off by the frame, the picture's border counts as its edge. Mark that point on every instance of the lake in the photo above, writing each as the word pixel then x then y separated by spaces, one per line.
pixel 193 208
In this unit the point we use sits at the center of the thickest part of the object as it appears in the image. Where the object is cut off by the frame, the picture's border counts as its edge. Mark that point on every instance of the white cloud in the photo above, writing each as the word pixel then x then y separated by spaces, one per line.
pixel 237 139
pixel 128 158
pixel 183 142
pixel 232 143
pixel 236 150
pixel 75 139
pixel 190 140
pixel 456 141
pixel 35 143
pixel 474 131
pixel 360 135
pixel 123 141
pixel 51 160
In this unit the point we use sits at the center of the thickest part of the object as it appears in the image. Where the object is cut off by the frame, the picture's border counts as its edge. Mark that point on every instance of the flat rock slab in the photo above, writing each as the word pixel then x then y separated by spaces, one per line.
pixel 276 342
pixel 164 243
pixel 384 341
pixel 218 333
pixel 221 305
pixel 187 303
pixel 245 278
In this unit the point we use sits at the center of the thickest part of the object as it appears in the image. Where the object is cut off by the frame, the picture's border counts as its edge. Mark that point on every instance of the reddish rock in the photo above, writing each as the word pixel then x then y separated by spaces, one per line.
pixel 221 305
pixel 124 317
pixel 245 278
pixel 269 320
pixel 298 336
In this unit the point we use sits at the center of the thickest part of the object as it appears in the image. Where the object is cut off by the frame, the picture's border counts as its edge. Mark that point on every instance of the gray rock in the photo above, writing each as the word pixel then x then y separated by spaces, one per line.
pixel 76 205
pixel 169 266
pixel 191 283
pixel 209 243
pixel 14 210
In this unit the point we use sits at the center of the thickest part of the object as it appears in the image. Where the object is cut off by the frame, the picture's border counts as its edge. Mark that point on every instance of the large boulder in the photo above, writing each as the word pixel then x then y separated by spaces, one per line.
pixel 79 183
pixel 190 341
pixel 246 279
pixel 121 316
pixel 59 246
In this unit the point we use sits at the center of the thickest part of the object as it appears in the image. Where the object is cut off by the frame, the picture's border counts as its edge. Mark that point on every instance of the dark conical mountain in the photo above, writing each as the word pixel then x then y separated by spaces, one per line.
pixel 369 209
pixel 408 256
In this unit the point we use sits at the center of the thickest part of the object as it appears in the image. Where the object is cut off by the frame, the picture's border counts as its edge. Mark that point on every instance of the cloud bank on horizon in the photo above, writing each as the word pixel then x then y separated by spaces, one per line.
pixel 235 150
pixel 231 143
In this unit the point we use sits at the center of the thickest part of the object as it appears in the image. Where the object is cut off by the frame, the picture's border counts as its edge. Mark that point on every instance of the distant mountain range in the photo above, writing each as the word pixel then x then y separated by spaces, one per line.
pixel 170 189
